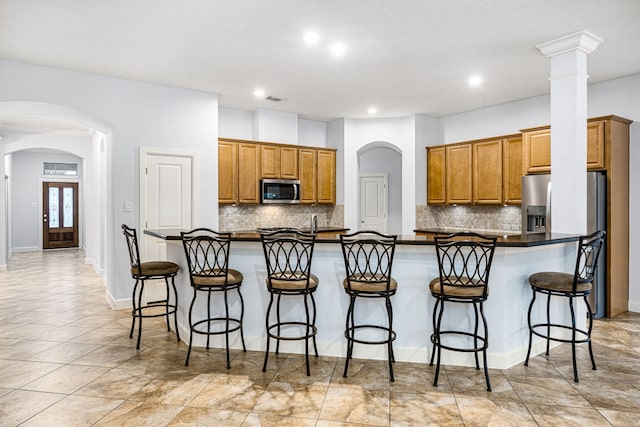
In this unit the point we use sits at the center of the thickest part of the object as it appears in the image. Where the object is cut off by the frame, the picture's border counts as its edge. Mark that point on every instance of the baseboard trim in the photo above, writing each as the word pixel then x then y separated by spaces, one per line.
pixel 634 306
pixel 120 304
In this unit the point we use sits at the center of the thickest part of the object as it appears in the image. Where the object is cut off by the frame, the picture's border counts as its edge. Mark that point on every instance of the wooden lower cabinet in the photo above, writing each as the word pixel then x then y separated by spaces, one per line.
pixel 458 173
pixel 436 176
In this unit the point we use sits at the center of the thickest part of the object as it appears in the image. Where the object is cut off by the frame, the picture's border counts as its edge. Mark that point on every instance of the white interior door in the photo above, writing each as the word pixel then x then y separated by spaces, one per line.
pixel 373 203
pixel 165 202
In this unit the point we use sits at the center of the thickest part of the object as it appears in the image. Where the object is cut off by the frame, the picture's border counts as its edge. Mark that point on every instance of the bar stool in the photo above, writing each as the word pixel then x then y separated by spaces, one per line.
pixel 578 284
pixel 464 263
pixel 150 270
pixel 207 253
pixel 368 258
pixel 288 254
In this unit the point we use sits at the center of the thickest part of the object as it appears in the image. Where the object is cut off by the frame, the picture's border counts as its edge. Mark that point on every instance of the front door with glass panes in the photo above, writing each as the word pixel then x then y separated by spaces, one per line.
pixel 60 216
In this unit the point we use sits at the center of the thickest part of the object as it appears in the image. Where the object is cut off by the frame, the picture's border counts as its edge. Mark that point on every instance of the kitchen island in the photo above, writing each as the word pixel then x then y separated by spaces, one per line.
pixel 415 264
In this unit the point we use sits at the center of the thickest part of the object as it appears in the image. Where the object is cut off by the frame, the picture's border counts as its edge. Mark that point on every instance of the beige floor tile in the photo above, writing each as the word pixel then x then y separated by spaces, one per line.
pixel 176 388
pixel 424 409
pixel 553 416
pixel 268 420
pixel 140 414
pixel 74 411
pixel 622 419
pixel 64 352
pixel 484 412
pixel 546 391
pixel 205 416
pixel 618 396
pixel 117 384
pixel 20 405
pixel 369 374
pixel 230 392
pixel 66 379
pixel 295 400
pixel 471 383
pixel 109 356
pixel 355 404
pixel 18 373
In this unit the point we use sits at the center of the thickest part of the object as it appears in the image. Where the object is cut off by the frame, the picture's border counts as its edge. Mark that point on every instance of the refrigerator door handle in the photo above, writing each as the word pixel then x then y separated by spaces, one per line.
pixel 548 213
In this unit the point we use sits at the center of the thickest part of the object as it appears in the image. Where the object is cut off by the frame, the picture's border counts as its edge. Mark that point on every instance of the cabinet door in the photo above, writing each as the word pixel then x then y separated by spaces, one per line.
pixel 537 151
pixel 227 172
pixel 595 146
pixel 289 163
pixel 326 177
pixel 270 161
pixel 512 171
pixel 487 172
pixel 249 173
pixel 436 175
pixel 458 174
pixel 308 175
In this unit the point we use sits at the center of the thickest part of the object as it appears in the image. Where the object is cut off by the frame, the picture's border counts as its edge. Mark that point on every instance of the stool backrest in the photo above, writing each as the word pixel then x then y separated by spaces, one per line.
pixel 134 253
pixel 464 260
pixel 288 254
pixel 368 258
pixel 207 253
pixel 589 249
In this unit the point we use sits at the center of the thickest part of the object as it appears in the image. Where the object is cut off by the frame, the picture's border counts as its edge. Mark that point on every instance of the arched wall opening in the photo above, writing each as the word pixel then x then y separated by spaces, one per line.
pixel 93 149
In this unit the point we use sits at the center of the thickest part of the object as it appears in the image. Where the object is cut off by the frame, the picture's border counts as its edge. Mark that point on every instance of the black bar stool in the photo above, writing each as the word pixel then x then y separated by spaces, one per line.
pixel 576 285
pixel 207 253
pixel 368 258
pixel 288 255
pixel 151 270
pixel 464 262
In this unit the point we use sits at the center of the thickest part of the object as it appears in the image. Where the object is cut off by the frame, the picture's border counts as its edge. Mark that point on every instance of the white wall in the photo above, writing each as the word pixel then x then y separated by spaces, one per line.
pixel 26 195
pixel 427 133
pixel 142 114
pixel 276 126
pixel 234 123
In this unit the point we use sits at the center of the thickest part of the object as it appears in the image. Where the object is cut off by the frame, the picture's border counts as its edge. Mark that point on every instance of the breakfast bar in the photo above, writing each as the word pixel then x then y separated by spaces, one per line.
pixel 517 256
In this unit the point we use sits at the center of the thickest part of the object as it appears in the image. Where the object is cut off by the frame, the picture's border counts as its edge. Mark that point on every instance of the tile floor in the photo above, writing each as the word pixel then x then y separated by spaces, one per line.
pixel 66 359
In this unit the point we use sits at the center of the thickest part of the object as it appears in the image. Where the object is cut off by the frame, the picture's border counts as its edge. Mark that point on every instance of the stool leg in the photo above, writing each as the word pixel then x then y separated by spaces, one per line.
pixel 349 334
pixel 208 316
pixel 226 331
pixel 244 347
pixel 590 316
pixel 313 303
pixel 306 337
pixel 133 308
pixel 433 336
pixel 141 291
pixel 166 304
pixel 533 299
pixel 175 313
pixel 266 353
pixel 437 343
pixel 390 355
pixel 278 320
pixel 484 347
pixel 193 300
pixel 475 335
pixel 573 339
pixel 548 322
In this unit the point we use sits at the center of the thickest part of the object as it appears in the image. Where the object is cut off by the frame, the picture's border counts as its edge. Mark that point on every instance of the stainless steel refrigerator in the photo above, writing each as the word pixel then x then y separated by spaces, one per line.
pixel 536 218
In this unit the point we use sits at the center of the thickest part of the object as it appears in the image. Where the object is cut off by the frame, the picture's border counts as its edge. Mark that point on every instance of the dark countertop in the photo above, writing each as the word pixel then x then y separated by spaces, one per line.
pixel 422 237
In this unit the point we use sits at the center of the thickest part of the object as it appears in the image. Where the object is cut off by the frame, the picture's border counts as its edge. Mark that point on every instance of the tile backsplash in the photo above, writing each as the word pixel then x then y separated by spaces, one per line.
pixel 236 218
pixel 490 218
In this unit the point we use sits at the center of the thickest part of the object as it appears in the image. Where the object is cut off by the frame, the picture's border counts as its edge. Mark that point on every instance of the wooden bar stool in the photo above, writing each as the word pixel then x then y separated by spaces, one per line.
pixel 288 255
pixel 207 253
pixel 464 263
pixel 570 286
pixel 150 270
pixel 368 258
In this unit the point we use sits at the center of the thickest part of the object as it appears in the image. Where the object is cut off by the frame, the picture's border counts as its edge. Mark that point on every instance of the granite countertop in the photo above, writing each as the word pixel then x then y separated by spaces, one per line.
pixel 422 237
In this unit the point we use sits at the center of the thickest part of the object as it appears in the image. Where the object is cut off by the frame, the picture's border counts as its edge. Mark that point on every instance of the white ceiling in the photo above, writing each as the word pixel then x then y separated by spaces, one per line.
pixel 403 56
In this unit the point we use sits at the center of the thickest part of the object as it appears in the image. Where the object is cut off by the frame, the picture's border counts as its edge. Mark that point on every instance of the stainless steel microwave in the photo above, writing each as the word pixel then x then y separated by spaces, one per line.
pixel 279 191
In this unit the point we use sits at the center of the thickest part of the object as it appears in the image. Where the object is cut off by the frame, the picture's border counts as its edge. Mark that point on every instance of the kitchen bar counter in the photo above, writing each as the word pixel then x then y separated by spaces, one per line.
pixel 414 265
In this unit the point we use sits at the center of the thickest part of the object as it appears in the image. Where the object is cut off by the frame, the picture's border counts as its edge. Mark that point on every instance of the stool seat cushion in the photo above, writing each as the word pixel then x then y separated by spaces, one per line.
pixel 155 268
pixel 370 283
pixel 234 277
pixel 559 282
pixel 294 285
pixel 464 290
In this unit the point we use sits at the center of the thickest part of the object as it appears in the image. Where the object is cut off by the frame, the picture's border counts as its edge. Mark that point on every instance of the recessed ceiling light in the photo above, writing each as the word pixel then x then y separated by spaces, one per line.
pixel 475 81
pixel 372 110
pixel 259 93
pixel 311 38
pixel 337 49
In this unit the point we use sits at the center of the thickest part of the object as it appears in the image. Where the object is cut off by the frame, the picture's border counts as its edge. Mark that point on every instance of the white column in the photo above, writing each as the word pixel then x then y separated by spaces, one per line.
pixel 568 57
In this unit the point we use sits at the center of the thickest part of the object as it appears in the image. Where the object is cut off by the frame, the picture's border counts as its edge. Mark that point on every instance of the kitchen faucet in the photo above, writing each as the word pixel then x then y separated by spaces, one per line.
pixel 313 225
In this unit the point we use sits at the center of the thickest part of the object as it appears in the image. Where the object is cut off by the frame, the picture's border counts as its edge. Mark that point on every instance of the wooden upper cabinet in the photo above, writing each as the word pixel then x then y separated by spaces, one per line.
pixel 308 175
pixel 436 178
pixel 536 146
pixel 289 162
pixel 458 173
pixel 595 145
pixel 326 176
pixel 487 172
pixel 512 170
pixel 248 173
pixel 279 162
pixel 270 156
pixel 227 172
